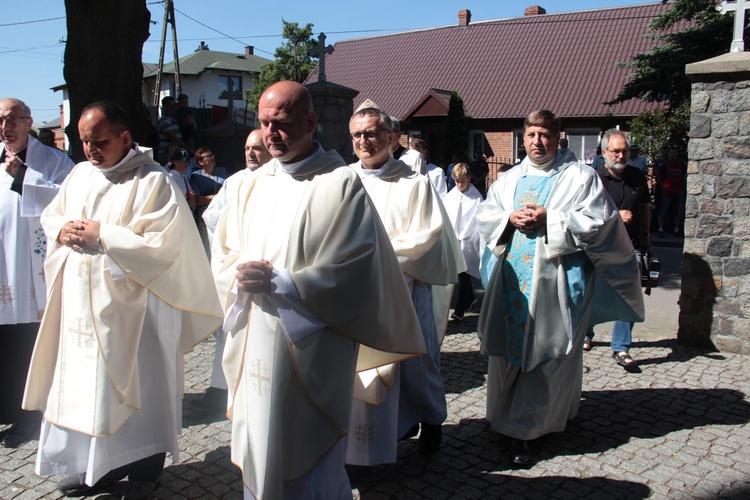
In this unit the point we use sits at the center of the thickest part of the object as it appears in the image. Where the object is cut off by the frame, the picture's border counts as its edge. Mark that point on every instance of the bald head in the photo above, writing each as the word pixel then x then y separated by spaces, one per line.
pixel 256 153
pixel 287 120
pixel 293 93
pixel 15 123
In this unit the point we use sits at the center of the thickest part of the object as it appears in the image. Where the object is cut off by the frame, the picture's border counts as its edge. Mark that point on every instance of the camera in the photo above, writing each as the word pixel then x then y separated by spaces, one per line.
pixel 650 267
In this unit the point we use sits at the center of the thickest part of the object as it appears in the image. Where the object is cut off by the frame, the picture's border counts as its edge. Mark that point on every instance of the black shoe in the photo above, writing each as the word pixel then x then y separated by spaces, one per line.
pixel 21 433
pixel 213 400
pixel 430 438
pixel 519 453
pixel 75 485
pixel 457 316
pixel 413 431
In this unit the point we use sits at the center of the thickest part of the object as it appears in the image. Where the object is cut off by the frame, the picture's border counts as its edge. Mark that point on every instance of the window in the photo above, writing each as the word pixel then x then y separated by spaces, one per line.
pixel 583 144
pixel 230 86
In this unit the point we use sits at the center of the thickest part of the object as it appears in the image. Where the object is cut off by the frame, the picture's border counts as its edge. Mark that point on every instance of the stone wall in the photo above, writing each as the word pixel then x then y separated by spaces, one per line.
pixel 715 295
pixel 334 106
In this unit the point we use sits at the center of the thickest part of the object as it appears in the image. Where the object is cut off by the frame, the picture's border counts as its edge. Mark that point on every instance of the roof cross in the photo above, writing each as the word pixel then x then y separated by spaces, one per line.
pixel 739 7
pixel 320 52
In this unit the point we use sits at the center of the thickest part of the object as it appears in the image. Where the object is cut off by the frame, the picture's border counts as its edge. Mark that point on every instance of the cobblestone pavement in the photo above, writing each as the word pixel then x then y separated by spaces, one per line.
pixel 679 429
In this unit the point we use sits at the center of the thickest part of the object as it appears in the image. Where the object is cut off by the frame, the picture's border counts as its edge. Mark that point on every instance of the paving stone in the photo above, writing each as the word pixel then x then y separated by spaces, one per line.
pixel 679 430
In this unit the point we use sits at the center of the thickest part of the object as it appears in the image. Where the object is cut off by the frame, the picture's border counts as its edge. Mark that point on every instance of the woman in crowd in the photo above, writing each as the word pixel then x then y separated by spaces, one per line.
pixel 178 165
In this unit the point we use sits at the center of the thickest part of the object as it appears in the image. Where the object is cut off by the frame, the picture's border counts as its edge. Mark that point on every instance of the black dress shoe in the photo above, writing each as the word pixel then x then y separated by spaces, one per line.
pixel 75 485
pixel 21 433
pixel 519 453
pixel 413 431
pixel 430 438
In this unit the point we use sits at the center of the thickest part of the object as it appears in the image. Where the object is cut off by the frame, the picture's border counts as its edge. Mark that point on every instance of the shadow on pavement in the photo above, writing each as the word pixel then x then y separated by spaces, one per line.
pixel 193 414
pixel 608 419
pixel 214 477
pixel 467 370
pixel 451 473
pixel 473 454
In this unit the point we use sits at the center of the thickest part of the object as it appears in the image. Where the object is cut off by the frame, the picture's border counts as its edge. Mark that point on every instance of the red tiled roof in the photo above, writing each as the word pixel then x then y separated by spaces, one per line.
pixel 504 68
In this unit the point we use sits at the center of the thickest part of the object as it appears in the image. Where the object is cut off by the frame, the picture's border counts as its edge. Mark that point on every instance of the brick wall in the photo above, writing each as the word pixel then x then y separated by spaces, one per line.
pixel 501 144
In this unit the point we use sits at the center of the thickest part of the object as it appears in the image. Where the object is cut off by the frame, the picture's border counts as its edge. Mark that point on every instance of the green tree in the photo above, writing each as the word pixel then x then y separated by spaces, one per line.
pixel 653 129
pixel 456 138
pixel 689 31
pixel 293 61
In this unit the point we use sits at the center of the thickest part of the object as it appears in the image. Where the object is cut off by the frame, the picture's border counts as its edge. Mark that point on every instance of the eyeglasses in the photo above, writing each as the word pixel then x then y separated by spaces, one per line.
pixel 619 152
pixel 12 121
pixel 368 134
pixel 208 156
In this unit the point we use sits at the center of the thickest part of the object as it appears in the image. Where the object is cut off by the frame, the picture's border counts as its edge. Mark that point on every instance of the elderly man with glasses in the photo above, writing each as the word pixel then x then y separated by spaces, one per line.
pixel 30 174
pixel 429 254
pixel 628 188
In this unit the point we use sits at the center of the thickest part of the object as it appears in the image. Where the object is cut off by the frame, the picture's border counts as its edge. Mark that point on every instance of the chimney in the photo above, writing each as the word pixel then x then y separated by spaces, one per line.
pixel 249 50
pixel 534 10
pixel 464 17
pixel 202 46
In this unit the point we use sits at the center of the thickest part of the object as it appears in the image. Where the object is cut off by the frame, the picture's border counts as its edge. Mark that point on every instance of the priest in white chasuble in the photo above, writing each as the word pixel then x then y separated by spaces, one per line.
pixel 312 292
pixel 560 251
pixel 30 175
pixel 430 255
pixel 122 268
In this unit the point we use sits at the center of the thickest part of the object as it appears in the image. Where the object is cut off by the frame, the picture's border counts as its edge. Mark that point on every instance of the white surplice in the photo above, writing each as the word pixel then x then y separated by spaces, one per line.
pixel 118 318
pixel 429 254
pixel 291 355
pixel 211 216
pixel 437 179
pixel 22 290
pixel 415 160
pixel 461 207
pixel 221 201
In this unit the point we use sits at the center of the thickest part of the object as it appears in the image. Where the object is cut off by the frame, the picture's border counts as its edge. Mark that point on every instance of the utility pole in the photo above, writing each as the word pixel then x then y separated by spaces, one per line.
pixel 168 19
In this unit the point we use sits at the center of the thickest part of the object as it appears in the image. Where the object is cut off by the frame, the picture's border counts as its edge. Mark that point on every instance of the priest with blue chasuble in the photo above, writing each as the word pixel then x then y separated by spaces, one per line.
pixel 562 260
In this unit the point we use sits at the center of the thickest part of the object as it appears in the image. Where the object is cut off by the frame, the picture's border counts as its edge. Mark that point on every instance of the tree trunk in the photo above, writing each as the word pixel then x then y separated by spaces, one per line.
pixel 103 60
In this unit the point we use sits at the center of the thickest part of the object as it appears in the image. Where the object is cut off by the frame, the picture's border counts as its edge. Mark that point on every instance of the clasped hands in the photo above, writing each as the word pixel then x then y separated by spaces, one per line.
pixel 81 236
pixel 529 217
pixel 255 276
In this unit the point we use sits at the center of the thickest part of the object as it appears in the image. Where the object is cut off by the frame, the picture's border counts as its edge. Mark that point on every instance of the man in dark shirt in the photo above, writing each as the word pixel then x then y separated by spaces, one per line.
pixel 185 116
pixel 479 170
pixel 628 188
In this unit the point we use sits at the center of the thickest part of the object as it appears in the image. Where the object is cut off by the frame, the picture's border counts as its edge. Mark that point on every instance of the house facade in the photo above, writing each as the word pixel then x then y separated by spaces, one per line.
pixel 570 63
pixel 210 78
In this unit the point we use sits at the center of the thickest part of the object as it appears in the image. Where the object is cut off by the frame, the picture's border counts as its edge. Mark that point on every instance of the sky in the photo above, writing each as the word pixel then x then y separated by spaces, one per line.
pixel 33 33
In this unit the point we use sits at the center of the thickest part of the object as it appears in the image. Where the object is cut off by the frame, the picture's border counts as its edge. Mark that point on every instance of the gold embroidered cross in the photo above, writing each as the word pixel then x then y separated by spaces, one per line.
pixel 260 380
pixel 83 264
pixel 364 433
pixel 6 294
pixel 76 327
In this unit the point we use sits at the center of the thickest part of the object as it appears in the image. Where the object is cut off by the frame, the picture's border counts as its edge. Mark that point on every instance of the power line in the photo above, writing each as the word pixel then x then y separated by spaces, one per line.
pixel 32 22
pixel 29 48
pixel 209 27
